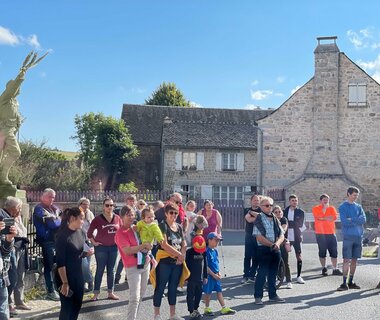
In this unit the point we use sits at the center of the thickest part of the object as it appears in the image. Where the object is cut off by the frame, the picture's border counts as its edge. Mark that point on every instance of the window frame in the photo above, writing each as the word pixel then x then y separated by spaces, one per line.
pixel 189 166
pixel 231 161
pixel 355 94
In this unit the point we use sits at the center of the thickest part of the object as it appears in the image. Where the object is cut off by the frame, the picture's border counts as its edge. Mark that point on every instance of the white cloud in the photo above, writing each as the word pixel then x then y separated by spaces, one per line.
pixel 254 82
pixel 294 90
pixel 280 79
pixel 7 37
pixel 195 105
pixel 355 39
pixel 251 107
pixel 363 38
pixel 261 94
pixel 371 67
pixel 32 40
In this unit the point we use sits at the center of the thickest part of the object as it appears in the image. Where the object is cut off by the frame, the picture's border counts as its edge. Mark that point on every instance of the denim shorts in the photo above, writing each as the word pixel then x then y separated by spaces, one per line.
pixel 352 247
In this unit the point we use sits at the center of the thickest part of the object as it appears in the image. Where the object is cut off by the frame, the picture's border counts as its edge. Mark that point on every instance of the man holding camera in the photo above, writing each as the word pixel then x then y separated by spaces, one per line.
pixel 18 257
pixel 46 219
pixel 6 246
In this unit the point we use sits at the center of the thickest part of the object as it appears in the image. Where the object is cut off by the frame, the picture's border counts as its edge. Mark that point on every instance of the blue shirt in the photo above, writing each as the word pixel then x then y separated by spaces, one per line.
pixel 353 218
pixel 212 259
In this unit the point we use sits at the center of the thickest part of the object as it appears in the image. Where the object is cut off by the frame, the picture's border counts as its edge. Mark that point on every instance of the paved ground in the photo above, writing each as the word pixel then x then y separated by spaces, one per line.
pixel 317 299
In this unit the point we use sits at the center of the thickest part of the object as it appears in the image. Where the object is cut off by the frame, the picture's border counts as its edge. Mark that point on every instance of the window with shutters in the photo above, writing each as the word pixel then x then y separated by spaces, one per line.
pixel 189 161
pixel 229 161
pixel 227 193
pixel 357 94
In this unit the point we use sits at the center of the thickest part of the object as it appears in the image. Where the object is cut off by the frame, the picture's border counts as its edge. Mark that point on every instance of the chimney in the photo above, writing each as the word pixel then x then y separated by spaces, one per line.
pixel 325 158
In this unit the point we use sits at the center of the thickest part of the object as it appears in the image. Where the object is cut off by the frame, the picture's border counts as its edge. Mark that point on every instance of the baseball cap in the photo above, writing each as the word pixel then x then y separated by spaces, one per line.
pixel 199 244
pixel 213 235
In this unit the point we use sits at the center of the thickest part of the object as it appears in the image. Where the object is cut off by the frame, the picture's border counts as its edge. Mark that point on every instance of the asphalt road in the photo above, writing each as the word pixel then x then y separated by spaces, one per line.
pixel 317 299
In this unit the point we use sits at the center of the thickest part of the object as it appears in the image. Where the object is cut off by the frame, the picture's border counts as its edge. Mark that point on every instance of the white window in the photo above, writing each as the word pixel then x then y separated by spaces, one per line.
pixel 189 191
pixel 227 193
pixel 189 161
pixel 357 94
pixel 229 161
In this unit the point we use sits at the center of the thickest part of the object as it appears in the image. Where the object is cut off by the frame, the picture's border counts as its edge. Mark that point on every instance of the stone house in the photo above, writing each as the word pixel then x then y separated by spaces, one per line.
pixel 326 136
pixel 204 152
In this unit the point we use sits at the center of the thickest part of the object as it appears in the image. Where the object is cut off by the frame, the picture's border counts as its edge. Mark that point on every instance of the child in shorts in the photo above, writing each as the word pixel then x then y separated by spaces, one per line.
pixel 214 276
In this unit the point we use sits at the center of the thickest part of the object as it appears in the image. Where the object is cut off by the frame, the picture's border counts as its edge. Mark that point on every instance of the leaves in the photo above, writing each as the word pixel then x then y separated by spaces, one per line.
pixel 167 94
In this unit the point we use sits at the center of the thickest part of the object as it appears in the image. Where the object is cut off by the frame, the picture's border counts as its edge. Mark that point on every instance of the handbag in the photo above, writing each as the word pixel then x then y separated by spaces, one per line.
pixel 287 245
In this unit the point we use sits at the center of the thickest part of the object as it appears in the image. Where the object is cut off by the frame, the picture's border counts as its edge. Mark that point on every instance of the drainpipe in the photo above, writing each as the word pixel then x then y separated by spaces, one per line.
pixel 166 121
pixel 261 157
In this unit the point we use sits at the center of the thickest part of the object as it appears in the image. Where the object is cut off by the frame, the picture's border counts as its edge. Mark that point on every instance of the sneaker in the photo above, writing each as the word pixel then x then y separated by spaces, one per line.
pixel 227 310
pixel 157 317
pixel 12 310
pixel 337 272
pixel 251 279
pixel 208 312
pixel 324 272
pixel 23 306
pixel 195 315
pixel 53 296
pixel 353 285
pixel 343 287
pixel 244 280
pixel 300 280
pixel 289 285
pixel 276 299
pixel 258 301
pixel 176 317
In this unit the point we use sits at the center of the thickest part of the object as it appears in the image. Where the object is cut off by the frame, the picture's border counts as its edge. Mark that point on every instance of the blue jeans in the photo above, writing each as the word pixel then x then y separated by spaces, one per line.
pixel 87 275
pixel 4 308
pixel 48 254
pixel 119 269
pixel 167 273
pixel 268 266
pixel 105 257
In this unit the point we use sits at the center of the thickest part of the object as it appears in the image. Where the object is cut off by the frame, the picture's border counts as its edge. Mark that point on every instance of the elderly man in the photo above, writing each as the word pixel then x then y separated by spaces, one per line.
pixel 6 247
pixel 46 219
pixel 181 218
pixel 12 208
pixel 269 235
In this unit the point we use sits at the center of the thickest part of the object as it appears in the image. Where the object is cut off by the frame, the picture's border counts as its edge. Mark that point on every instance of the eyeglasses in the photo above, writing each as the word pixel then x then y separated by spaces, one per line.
pixel 267 205
pixel 173 212
pixel 108 205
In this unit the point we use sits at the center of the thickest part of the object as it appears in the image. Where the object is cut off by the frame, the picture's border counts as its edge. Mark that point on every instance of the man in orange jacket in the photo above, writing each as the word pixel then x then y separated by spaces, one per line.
pixel 324 225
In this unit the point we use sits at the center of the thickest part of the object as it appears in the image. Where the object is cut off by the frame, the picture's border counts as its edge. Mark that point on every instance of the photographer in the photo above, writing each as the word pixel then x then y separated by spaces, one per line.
pixel 13 207
pixel 6 246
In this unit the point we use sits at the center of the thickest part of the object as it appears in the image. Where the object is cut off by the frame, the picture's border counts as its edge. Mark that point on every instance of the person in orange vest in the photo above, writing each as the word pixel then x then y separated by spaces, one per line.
pixel 324 225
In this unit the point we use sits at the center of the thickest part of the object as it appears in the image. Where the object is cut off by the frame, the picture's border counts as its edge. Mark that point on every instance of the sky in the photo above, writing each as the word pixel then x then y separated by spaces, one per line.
pixel 220 54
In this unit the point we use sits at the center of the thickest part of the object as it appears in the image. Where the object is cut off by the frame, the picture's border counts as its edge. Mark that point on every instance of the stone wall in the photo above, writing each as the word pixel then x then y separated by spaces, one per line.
pixel 315 143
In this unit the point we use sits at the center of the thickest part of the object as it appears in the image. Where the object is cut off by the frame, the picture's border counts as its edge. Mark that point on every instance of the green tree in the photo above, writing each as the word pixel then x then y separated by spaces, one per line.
pixel 40 167
pixel 106 147
pixel 168 94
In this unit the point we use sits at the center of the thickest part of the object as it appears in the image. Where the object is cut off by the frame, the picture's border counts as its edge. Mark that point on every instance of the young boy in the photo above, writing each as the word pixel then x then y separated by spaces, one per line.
pixel 197 264
pixel 214 276
pixel 149 231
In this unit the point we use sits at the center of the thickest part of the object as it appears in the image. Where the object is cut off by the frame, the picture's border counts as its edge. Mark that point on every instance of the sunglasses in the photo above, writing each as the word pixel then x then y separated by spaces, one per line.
pixel 108 205
pixel 173 212
pixel 267 205
pixel 178 202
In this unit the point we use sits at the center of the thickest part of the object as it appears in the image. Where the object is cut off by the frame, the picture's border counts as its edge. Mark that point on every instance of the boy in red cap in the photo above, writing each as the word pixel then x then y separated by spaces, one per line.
pixel 197 264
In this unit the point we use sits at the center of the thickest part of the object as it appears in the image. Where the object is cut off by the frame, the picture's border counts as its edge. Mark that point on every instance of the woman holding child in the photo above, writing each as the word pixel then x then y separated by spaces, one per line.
pixel 170 257
pixel 129 245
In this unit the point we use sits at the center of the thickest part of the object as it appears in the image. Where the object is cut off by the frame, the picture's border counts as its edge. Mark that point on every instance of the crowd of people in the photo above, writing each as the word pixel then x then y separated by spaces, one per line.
pixel 169 245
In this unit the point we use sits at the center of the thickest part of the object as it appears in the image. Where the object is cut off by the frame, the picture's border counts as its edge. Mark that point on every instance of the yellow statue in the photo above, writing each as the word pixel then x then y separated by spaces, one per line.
pixel 10 119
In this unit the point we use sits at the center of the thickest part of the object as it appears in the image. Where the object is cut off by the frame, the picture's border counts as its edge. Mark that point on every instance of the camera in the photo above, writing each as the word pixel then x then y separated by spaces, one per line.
pixel 8 223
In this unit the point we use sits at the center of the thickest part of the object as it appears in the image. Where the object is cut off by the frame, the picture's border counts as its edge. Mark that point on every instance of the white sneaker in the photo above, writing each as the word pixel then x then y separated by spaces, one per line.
pixel 157 317
pixel 289 285
pixel 300 280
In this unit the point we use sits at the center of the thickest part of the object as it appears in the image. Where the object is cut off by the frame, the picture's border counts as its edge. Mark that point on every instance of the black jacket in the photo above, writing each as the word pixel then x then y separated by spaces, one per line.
pixel 296 224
